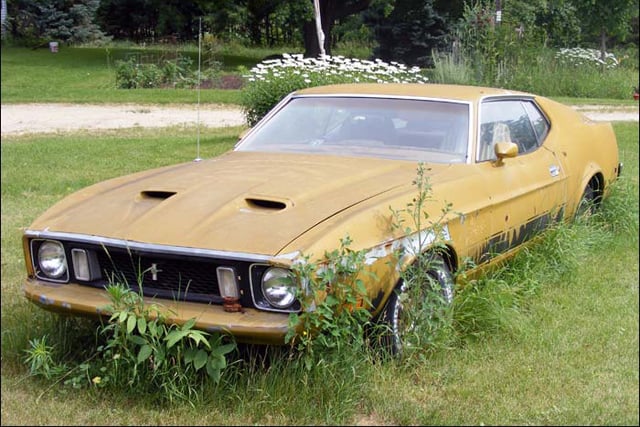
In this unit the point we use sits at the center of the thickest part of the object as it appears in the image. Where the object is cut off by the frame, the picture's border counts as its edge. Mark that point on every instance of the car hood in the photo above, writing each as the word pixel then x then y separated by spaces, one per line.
pixel 241 202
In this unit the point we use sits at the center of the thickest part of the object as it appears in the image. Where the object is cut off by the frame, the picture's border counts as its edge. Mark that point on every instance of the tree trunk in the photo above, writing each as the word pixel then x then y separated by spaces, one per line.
pixel 4 17
pixel 330 12
pixel 603 47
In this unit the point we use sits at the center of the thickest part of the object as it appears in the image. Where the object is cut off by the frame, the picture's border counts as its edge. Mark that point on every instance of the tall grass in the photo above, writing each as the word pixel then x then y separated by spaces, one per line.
pixel 544 75
pixel 551 338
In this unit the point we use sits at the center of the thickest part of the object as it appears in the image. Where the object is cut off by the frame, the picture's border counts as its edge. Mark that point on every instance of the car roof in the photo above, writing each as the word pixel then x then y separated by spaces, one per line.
pixel 422 90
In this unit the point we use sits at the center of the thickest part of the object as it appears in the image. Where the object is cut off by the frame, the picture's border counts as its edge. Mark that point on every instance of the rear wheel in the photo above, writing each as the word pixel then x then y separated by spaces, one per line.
pixel 415 306
pixel 587 203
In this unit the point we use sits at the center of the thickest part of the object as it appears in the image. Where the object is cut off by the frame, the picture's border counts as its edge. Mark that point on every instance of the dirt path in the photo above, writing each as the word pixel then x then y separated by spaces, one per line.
pixel 34 118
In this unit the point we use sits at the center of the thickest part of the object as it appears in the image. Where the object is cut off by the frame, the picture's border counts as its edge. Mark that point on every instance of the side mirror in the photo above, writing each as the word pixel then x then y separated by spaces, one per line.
pixel 504 150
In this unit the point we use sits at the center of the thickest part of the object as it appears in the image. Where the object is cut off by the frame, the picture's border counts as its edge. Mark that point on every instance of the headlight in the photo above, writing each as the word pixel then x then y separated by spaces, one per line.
pixel 278 288
pixel 52 260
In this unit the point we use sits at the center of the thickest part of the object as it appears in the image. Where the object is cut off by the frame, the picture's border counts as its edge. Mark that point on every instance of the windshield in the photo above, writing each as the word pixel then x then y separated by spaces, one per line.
pixel 404 129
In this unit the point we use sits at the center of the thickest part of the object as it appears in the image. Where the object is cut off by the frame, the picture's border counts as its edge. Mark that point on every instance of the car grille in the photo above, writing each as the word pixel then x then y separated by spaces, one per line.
pixel 174 278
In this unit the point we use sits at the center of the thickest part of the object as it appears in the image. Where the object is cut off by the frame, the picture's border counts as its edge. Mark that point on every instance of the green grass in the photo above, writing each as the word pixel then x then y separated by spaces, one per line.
pixel 87 75
pixel 564 351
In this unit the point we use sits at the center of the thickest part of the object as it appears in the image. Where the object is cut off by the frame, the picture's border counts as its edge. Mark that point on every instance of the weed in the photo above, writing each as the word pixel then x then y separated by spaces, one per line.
pixel 335 306
pixel 141 351
pixel 419 310
pixel 40 359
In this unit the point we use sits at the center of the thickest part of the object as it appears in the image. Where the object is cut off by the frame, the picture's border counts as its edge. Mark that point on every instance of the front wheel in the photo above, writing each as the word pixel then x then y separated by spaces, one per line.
pixel 418 305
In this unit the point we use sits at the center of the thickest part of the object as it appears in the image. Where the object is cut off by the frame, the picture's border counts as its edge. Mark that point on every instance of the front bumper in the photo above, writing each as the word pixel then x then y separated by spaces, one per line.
pixel 248 326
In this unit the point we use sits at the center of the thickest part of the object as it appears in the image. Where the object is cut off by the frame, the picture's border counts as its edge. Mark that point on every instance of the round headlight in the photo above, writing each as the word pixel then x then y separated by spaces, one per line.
pixel 278 288
pixel 52 260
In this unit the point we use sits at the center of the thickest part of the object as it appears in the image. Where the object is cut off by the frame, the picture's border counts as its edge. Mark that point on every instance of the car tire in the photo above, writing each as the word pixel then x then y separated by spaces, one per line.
pixel 394 329
pixel 587 204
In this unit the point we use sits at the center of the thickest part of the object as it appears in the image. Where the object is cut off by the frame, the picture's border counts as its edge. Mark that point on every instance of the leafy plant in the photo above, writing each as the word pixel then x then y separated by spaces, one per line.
pixel 146 351
pixel 175 73
pixel 335 306
pixel 141 351
pixel 426 304
pixel 40 359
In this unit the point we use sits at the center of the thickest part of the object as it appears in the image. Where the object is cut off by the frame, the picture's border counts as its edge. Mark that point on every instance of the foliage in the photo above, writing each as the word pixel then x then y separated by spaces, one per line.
pixel 271 80
pixel 36 22
pixel 141 352
pixel 424 305
pixel 335 306
pixel 410 33
pixel 514 54
pixel 174 73
pixel 85 29
pixel 150 20
pixel 39 358
pixel 603 18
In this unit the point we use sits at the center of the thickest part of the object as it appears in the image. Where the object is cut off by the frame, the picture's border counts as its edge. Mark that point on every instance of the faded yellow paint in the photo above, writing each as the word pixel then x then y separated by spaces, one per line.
pixel 212 205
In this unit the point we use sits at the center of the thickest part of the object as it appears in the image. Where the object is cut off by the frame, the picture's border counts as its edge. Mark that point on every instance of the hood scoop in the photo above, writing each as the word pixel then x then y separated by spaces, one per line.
pixel 156 194
pixel 266 205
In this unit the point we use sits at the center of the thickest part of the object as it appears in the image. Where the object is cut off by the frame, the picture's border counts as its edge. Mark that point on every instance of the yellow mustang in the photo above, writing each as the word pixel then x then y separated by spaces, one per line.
pixel 212 240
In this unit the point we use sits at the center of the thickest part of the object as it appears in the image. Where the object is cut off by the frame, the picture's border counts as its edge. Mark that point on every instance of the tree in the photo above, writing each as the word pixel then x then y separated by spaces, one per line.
pixel 411 33
pixel 84 29
pixel 128 19
pixel 606 18
pixel 330 12
pixel 37 21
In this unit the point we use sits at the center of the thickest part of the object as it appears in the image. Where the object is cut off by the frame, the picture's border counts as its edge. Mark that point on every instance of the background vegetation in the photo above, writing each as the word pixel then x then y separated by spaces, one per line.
pixel 515 44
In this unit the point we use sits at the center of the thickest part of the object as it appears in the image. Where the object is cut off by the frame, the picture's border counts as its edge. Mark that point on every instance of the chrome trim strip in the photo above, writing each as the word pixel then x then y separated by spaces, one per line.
pixel 148 247
pixel 381 96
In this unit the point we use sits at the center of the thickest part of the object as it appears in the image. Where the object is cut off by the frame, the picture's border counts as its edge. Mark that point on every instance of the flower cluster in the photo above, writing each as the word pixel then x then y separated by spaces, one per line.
pixel 324 69
pixel 272 79
pixel 578 57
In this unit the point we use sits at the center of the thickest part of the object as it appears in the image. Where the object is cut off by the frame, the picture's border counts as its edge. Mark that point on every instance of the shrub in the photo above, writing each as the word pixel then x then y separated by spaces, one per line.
pixel 178 73
pixel 271 80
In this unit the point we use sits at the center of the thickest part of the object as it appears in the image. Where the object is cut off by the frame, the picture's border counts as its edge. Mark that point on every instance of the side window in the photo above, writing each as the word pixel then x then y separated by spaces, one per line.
pixel 538 120
pixel 505 121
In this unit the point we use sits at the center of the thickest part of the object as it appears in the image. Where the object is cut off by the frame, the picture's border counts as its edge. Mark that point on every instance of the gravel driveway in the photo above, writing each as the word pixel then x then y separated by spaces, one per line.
pixel 33 118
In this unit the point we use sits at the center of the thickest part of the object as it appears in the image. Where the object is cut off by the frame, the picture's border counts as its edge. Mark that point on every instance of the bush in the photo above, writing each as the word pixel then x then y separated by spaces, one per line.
pixel 131 74
pixel 271 80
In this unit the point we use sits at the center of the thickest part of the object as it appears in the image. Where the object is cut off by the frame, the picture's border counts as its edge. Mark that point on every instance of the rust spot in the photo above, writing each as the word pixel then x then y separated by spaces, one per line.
pixel 232 305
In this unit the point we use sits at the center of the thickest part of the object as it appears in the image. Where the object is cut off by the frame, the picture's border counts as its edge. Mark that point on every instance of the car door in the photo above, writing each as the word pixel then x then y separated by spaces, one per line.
pixel 526 193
